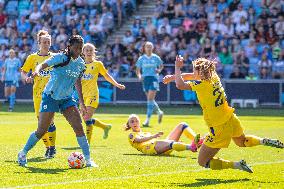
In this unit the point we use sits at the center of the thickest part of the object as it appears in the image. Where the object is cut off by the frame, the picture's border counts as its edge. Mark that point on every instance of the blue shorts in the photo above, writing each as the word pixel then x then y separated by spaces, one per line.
pixel 11 84
pixel 48 104
pixel 150 83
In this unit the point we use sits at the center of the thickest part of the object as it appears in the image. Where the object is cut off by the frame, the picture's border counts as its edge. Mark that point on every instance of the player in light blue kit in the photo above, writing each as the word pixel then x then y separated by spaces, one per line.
pixel 68 68
pixel 10 77
pixel 151 65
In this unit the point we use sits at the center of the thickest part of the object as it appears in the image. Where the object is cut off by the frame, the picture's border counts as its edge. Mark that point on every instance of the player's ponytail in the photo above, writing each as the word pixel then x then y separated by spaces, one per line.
pixel 126 126
pixel 205 68
pixel 74 39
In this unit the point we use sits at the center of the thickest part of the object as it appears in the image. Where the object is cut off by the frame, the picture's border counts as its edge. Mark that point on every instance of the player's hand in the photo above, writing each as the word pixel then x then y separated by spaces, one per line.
pixel 35 73
pixel 120 86
pixel 139 78
pixel 2 79
pixel 179 61
pixel 83 109
pixel 168 78
pixel 29 80
pixel 160 133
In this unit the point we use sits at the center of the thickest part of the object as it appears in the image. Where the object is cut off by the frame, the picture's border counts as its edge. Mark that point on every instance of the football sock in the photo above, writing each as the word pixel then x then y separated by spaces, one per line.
pixel 218 163
pixel 252 140
pixel 52 134
pixel 83 143
pixel 45 140
pixel 179 146
pixel 150 107
pixel 30 143
pixel 89 130
pixel 12 100
pixel 99 123
pixel 188 132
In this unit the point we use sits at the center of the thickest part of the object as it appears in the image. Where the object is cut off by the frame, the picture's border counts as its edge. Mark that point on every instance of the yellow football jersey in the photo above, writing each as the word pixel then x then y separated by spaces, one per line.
pixel 142 147
pixel 213 101
pixel 90 78
pixel 41 80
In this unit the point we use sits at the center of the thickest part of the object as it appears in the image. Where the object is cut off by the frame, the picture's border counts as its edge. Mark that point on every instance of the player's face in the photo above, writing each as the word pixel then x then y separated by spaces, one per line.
pixel 134 123
pixel 12 54
pixel 88 52
pixel 76 49
pixel 45 43
pixel 148 49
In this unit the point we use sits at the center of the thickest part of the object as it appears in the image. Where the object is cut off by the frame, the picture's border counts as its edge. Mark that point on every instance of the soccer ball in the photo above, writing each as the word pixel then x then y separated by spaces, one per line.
pixel 76 160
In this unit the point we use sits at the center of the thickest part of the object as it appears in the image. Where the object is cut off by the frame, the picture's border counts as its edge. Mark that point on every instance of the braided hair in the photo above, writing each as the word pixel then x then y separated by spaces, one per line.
pixel 204 67
pixel 74 39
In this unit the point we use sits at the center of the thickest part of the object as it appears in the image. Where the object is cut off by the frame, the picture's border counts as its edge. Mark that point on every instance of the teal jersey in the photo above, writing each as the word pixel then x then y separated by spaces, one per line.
pixel 12 67
pixel 62 79
pixel 148 65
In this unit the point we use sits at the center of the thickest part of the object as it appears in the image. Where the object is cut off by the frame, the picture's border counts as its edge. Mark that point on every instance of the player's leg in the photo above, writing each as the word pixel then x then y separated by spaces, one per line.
pixel 244 140
pixel 7 90
pixel 72 115
pixel 45 119
pixel 155 87
pixel 206 159
pixel 52 139
pixel 12 95
pixel 166 145
pixel 150 105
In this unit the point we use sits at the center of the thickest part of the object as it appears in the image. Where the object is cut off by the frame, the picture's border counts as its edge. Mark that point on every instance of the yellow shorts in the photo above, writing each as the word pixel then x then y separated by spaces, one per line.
pixel 92 101
pixel 149 148
pixel 37 102
pixel 221 135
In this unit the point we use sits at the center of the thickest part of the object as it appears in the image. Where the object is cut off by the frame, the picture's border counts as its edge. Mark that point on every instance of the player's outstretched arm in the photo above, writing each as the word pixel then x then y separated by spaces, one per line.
pixel 180 84
pixel 110 79
pixel 185 76
pixel 145 139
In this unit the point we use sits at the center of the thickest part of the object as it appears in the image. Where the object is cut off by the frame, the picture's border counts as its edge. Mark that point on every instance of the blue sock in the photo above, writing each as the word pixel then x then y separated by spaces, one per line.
pixel 157 106
pixel 12 100
pixel 30 143
pixel 83 143
pixel 150 108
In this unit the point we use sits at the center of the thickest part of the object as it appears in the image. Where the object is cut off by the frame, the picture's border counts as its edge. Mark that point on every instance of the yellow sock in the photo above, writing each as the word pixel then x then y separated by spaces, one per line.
pixel 189 133
pixel 52 134
pixel 252 140
pixel 99 123
pixel 218 163
pixel 89 131
pixel 45 140
pixel 178 146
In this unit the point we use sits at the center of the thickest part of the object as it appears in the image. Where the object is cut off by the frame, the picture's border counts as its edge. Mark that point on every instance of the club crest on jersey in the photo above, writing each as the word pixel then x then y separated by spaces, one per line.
pixel 44 73
pixel 87 76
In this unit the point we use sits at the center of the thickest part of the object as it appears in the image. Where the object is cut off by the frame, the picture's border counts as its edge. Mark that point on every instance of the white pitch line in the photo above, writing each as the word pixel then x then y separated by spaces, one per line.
pixel 126 177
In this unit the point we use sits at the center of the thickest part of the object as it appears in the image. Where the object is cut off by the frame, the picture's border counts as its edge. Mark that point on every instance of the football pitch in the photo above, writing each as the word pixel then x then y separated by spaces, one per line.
pixel 121 166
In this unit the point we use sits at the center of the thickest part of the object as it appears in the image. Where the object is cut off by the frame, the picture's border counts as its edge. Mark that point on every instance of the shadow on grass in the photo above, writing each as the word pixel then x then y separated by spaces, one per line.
pixel 47 170
pixel 78 148
pixel 167 156
pixel 36 159
pixel 207 182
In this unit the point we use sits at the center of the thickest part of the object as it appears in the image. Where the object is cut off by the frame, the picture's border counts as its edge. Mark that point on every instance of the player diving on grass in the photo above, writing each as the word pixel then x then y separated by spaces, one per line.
pixel 148 67
pixel 222 123
pixel 90 89
pixel 68 68
pixel 148 143
pixel 39 83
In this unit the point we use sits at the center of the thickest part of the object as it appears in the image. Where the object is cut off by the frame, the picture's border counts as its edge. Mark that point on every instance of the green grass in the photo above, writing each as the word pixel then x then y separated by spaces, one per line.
pixel 121 166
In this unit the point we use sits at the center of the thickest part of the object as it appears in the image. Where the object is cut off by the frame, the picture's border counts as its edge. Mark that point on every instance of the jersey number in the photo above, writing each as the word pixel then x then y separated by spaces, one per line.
pixel 219 101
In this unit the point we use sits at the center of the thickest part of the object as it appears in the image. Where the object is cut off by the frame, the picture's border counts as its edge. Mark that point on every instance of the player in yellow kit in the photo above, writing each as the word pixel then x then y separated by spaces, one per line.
pixel 223 124
pixel 90 89
pixel 148 143
pixel 39 82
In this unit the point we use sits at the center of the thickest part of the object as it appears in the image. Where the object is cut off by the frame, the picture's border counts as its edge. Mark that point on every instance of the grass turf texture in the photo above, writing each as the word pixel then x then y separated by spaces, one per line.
pixel 121 166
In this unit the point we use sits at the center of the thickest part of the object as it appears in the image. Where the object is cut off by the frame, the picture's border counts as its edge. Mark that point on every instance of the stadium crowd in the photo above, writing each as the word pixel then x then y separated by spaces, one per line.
pixel 245 36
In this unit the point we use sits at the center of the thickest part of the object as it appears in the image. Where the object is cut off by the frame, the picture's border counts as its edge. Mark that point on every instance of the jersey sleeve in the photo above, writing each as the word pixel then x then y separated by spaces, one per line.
pixel 132 137
pixel 159 61
pixel 193 84
pixel 28 65
pixel 56 59
pixel 102 69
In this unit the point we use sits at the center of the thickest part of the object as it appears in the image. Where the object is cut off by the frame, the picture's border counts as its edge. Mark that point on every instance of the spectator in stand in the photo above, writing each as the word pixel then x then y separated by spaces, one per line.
pixel 236 74
pixel 265 67
pixel 128 38
pixel 238 14
pixel 278 67
pixel 227 62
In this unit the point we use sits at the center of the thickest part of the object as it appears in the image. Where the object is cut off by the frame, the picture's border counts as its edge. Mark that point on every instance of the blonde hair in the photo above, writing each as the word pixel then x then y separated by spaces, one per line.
pixel 127 126
pixel 95 57
pixel 205 68
pixel 42 33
